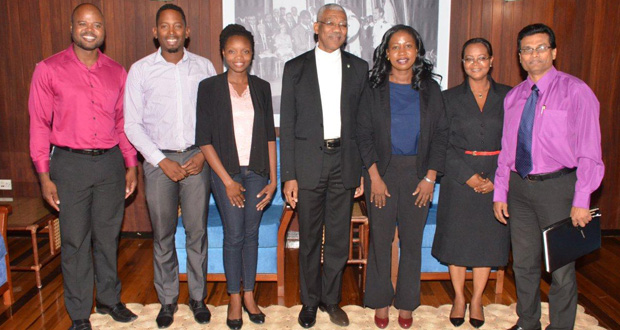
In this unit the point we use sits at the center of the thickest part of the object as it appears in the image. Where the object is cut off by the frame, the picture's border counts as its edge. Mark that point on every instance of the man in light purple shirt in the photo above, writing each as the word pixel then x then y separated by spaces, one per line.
pixel 160 121
pixel 549 165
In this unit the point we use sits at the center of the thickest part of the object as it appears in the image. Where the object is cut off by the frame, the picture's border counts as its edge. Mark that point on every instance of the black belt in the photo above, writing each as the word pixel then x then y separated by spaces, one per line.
pixel 331 143
pixel 166 151
pixel 90 152
pixel 552 175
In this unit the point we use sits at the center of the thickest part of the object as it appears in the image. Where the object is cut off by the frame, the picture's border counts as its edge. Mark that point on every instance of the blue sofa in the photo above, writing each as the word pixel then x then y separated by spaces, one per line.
pixel 271 242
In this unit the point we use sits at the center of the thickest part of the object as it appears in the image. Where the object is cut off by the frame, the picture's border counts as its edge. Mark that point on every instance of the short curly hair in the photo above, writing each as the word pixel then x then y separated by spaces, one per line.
pixel 235 30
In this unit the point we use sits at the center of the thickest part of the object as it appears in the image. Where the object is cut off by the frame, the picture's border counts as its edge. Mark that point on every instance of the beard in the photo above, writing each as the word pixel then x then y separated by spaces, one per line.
pixel 172 50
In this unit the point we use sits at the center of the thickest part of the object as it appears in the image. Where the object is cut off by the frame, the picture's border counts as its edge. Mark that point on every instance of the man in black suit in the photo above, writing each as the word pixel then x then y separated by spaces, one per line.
pixel 321 164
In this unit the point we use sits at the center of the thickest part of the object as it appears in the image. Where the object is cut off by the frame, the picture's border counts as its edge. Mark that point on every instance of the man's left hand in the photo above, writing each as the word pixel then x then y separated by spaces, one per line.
pixel 131 180
pixel 580 216
pixel 195 164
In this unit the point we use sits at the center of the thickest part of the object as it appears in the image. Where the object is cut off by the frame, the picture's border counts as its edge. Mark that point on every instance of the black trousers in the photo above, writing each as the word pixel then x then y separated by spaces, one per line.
pixel 533 205
pixel 329 204
pixel 91 190
pixel 401 180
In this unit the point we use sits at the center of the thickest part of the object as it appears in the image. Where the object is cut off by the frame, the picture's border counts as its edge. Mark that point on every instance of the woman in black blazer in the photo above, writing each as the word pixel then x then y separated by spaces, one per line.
pixel 402 134
pixel 235 132
pixel 467 233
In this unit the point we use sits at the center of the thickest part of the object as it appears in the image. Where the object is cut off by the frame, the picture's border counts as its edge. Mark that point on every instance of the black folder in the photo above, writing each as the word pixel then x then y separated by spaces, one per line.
pixel 565 243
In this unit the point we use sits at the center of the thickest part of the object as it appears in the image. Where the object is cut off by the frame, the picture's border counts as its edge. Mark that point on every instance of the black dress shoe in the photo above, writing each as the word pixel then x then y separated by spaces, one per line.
pixel 80 325
pixel 336 314
pixel 235 324
pixel 166 315
pixel 476 323
pixel 119 312
pixel 517 327
pixel 201 313
pixel 457 321
pixel 307 316
pixel 258 318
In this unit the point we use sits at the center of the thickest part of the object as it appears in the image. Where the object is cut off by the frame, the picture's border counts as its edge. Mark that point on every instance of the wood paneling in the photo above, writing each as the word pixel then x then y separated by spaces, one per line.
pixel 36 29
pixel 587 48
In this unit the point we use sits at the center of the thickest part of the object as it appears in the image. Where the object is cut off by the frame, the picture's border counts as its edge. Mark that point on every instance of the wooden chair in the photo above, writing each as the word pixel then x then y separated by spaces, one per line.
pixel 359 237
pixel 6 290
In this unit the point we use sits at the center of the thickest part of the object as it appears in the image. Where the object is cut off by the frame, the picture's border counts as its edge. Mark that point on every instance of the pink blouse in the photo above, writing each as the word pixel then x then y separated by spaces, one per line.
pixel 243 122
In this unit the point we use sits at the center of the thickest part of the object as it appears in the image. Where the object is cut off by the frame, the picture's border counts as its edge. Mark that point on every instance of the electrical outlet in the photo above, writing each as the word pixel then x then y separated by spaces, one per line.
pixel 6 185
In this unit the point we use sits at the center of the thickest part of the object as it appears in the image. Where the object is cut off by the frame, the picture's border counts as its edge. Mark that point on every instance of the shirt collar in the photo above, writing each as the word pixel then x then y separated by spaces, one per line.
pixel 160 58
pixel 322 55
pixel 71 55
pixel 544 82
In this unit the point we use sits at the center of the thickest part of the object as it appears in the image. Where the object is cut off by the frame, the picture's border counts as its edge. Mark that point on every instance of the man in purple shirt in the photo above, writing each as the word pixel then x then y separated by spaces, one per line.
pixel 549 165
pixel 76 106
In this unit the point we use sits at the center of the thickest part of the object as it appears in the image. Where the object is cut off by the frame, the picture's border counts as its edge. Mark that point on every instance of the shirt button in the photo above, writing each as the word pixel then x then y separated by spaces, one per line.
pixel 94 118
pixel 321 148
pixel 92 101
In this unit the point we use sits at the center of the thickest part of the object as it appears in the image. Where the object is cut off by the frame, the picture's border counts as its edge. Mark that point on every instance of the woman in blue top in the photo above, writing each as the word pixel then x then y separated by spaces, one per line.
pixel 402 136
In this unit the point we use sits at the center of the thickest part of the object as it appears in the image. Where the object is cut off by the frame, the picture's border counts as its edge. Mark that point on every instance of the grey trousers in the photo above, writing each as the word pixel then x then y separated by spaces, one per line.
pixel 329 204
pixel 163 196
pixel 91 190
pixel 402 180
pixel 533 205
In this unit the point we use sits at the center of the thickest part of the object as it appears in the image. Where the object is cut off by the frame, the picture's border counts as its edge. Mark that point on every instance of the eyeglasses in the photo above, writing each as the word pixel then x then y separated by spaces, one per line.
pixel 471 60
pixel 330 24
pixel 530 50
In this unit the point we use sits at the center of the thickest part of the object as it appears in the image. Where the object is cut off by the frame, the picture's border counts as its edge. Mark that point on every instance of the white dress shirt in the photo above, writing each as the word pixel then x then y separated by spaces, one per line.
pixel 160 103
pixel 329 70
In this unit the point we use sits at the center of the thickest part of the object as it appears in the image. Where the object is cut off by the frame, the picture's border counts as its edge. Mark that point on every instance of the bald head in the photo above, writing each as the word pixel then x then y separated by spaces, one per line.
pixel 85 6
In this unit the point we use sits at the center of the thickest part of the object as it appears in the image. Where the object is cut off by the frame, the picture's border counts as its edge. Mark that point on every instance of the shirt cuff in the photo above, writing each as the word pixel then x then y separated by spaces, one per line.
pixel 156 158
pixel 42 166
pixel 582 200
pixel 500 196
pixel 131 161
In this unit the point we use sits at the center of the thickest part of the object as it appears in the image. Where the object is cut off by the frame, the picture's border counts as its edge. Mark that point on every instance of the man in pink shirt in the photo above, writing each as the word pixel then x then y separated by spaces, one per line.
pixel 76 108
pixel 549 165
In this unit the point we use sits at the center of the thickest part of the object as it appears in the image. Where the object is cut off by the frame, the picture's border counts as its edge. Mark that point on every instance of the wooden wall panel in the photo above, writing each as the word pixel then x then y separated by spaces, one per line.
pixel 587 48
pixel 37 29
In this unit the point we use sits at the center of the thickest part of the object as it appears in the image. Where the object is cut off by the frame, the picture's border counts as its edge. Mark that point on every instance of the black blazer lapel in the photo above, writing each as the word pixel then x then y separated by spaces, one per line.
pixel 492 99
pixel 310 81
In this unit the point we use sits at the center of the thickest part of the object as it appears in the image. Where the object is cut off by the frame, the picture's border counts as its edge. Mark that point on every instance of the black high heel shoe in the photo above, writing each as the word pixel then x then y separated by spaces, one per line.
pixel 476 323
pixel 258 318
pixel 234 324
pixel 457 321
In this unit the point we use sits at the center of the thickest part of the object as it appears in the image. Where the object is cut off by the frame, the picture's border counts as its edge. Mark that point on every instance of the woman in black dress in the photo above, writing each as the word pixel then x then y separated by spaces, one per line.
pixel 402 137
pixel 467 233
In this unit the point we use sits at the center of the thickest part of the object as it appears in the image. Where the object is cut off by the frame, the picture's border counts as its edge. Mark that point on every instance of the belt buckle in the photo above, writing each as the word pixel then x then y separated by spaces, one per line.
pixel 474 153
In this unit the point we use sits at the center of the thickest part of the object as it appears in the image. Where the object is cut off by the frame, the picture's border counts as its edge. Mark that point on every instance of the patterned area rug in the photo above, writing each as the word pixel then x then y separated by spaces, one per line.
pixel 280 317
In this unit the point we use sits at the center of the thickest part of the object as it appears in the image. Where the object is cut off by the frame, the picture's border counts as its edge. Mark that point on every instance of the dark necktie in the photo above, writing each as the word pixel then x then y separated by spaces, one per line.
pixel 523 159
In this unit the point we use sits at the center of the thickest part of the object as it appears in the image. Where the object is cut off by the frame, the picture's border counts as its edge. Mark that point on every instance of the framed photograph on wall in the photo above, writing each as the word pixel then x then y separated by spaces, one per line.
pixel 283 29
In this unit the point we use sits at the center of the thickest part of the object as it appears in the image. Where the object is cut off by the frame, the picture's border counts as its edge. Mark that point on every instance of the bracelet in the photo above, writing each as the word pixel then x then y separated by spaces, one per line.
pixel 428 180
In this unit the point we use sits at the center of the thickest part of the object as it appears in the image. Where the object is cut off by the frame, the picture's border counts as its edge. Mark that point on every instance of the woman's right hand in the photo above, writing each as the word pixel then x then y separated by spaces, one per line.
pixel 234 191
pixel 475 181
pixel 378 192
